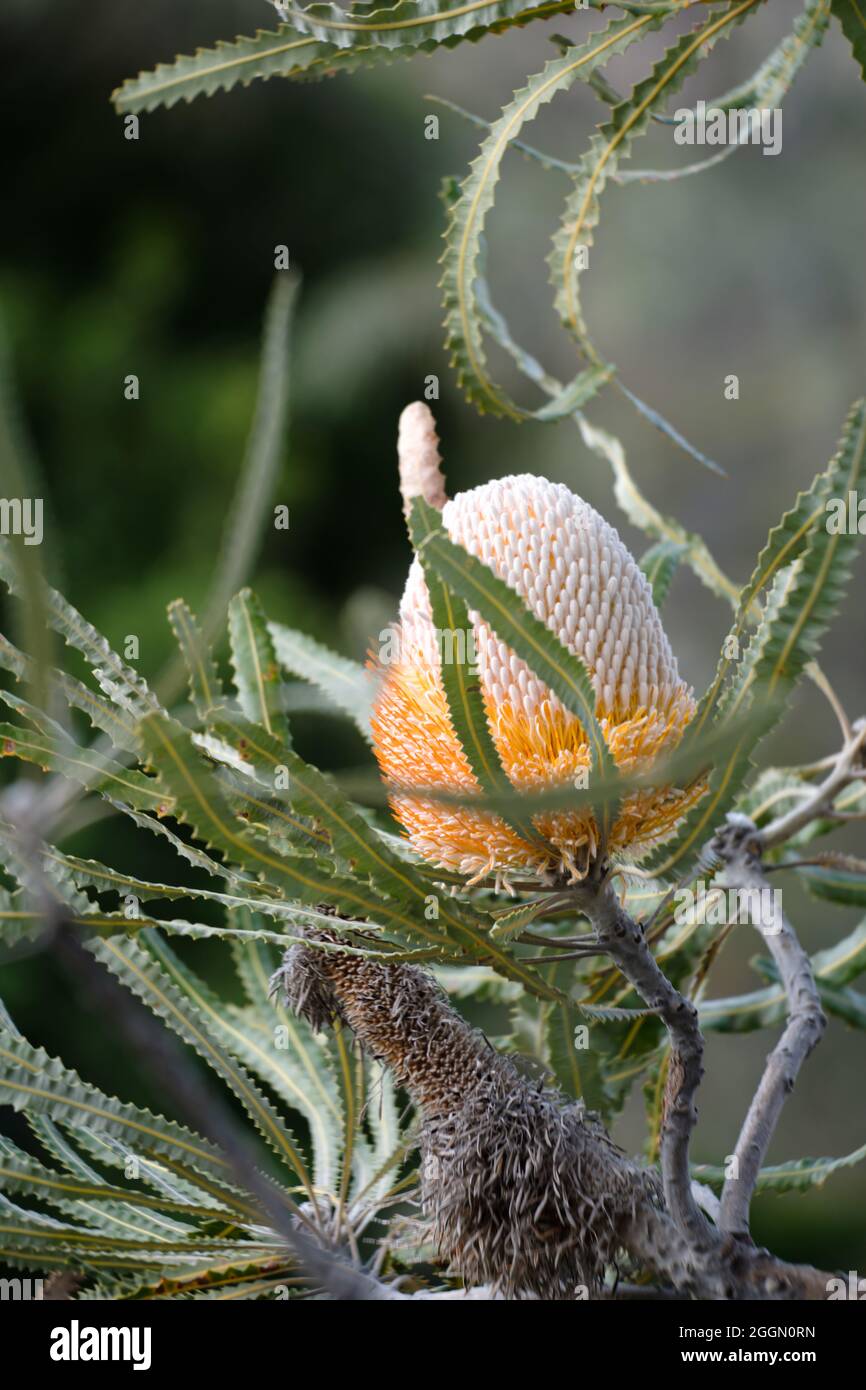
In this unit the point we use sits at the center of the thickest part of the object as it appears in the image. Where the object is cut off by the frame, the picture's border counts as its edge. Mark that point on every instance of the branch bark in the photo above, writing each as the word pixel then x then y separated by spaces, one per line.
pixel 847 767
pixel 738 845
pixel 623 939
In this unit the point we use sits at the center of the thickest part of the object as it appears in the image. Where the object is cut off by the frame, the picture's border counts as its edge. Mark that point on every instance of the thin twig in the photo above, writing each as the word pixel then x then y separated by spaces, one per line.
pixel 847 766
pixel 587 952
pixel 822 681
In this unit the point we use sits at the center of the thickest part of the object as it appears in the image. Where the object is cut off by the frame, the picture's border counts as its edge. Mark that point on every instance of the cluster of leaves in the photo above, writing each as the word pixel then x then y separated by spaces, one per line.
pixel 218 778
pixel 323 39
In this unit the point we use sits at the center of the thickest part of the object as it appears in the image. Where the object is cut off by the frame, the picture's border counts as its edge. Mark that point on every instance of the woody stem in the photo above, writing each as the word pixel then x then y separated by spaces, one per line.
pixel 624 940
pixel 738 846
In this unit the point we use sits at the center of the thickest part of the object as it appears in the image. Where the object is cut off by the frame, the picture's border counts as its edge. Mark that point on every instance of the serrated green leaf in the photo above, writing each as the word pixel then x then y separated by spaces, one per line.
pixel 462 686
pixel 614 1015
pixel 835 885
pixel 228 1288
pixel 833 969
pixel 291 53
pixel 87 873
pixel 660 564
pixel 797 535
pixel 197 1193
pixel 119 680
pixel 764 90
pixel 61 1260
pixel 205 687
pixel 421 22
pixel 86 767
pixel 349 685
pixel 798 1176
pixel 99 1202
pixel 257 671
pixel 257 805
pixel 192 1279
pixel 30 1080
pixel 852 17
pixel 165 1174
pixel 228 64
pixel 19 923
pixel 510 923
pixel 315 795
pixel 203 807
pixel 611 144
pixel 463 237
pixel 301 1072
pixel 149 1217
pixel 151 971
pixel 102 714
pixel 29 1233
pixel 774 77
pixel 642 514
pixel 201 804
pixel 804 595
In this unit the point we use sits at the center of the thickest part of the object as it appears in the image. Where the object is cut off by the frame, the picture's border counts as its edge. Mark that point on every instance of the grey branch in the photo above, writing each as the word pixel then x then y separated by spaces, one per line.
pixel 623 939
pixel 726 1270
pixel 738 845
pixel 846 767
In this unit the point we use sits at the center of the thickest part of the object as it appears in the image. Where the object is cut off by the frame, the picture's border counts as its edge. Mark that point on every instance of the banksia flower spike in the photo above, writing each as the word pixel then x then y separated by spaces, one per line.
pixel 574 573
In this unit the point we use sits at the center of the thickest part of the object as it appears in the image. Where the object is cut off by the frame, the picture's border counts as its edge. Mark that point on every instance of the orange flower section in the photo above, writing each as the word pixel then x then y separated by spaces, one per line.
pixel 575 574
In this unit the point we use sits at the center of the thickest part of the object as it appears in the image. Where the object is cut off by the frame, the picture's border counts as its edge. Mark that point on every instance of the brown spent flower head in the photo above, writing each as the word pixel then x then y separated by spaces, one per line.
pixel 523 1191
pixel 574 573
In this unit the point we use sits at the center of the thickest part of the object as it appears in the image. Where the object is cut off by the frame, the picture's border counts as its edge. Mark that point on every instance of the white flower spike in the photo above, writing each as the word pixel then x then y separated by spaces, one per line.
pixel 574 573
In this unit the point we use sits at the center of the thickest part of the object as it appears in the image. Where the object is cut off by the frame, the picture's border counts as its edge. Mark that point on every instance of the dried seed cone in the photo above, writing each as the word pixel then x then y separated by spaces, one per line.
pixel 523 1192
pixel 579 579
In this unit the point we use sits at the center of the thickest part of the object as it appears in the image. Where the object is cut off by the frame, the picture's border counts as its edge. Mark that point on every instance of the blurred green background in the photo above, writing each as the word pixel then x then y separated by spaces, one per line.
pixel 155 257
